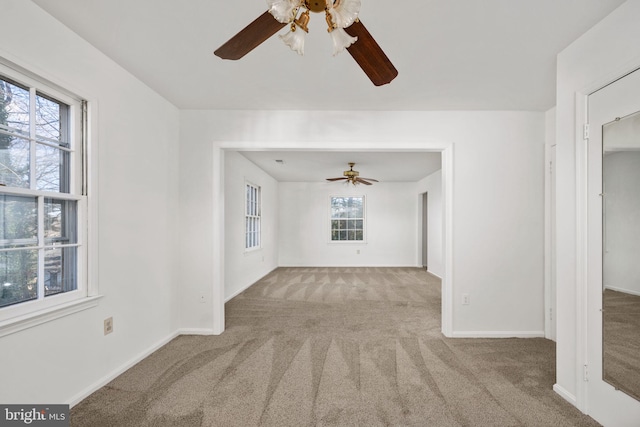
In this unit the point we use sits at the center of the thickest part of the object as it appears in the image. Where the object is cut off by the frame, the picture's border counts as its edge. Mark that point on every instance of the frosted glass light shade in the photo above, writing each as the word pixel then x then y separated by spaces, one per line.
pixel 295 40
pixel 345 13
pixel 341 40
pixel 283 10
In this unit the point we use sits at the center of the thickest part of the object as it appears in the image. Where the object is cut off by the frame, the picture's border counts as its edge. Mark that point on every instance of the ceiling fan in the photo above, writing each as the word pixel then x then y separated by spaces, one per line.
pixel 345 28
pixel 353 177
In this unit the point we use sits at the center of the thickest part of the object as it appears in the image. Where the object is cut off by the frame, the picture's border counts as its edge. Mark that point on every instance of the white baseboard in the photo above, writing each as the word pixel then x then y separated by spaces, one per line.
pixel 253 282
pixel 238 292
pixel 116 372
pixel 350 266
pixel 433 274
pixel 565 394
pixel 195 331
pixel 497 334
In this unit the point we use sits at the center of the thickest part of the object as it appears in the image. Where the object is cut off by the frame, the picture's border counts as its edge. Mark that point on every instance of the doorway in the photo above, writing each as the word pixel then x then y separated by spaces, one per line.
pixel 218 246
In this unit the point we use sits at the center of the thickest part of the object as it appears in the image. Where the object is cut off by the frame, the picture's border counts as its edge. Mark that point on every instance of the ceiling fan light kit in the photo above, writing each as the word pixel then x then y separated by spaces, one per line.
pixel 283 10
pixel 339 14
pixel 295 40
pixel 341 40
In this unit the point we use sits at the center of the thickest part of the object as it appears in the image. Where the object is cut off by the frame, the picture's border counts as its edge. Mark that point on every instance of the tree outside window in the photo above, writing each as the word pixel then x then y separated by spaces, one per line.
pixel 38 226
pixel 347 218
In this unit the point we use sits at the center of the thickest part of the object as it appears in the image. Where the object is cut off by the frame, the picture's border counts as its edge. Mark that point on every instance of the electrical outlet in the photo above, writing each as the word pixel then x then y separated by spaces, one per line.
pixel 202 299
pixel 465 299
pixel 108 325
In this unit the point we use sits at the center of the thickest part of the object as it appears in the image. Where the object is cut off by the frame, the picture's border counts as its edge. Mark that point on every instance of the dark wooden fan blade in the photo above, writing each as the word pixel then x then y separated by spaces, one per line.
pixel 369 55
pixel 250 37
pixel 335 179
pixel 363 181
pixel 371 179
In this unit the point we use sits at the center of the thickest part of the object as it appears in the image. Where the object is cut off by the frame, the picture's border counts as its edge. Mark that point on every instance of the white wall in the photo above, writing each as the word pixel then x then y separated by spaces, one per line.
pixel 390 225
pixel 498 202
pixel 195 242
pixel 432 185
pixel 621 175
pixel 243 268
pixel 135 132
pixel 607 51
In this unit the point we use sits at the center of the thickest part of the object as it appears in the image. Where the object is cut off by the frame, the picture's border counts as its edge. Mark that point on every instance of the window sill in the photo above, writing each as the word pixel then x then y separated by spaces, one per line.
pixel 20 323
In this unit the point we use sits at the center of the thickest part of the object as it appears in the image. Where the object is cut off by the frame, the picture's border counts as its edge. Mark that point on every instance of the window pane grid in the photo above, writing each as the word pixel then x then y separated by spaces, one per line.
pixel 7 134
pixel 38 234
pixel 34 139
pixel 347 218
pixel 252 217
pixel 38 247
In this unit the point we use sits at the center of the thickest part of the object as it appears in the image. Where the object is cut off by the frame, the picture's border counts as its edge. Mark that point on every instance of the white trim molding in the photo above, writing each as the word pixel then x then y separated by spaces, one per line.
pixel 29 320
pixel 565 394
pixel 431 273
pixel 447 280
pixel 217 265
pixel 498 334
pixel 195 331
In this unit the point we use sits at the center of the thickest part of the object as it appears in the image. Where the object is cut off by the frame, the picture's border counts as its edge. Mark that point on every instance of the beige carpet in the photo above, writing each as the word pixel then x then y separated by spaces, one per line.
pixel 336 347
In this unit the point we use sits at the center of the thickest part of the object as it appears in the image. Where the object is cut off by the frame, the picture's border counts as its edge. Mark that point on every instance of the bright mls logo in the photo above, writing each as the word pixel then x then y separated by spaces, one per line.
pixel 34 415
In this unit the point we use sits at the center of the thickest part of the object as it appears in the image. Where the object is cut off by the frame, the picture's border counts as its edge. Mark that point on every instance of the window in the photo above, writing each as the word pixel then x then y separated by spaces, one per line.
pixel 252 217
pixel 42 252
pixel 347 218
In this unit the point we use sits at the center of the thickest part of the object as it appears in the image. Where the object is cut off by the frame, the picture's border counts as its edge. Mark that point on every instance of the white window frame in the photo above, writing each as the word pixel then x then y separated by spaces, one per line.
pixel 252 217
pixel 26 314
pixel 364 220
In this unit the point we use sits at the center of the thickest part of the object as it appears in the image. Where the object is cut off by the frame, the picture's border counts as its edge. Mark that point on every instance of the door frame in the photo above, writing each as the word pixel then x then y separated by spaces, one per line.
pixel 218 275
pixel 582 231
pixel 424 231
pixel 550 312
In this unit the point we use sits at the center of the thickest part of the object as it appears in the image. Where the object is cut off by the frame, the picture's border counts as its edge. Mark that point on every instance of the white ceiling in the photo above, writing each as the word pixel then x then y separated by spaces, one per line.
pixel 316 166
pixel 450 54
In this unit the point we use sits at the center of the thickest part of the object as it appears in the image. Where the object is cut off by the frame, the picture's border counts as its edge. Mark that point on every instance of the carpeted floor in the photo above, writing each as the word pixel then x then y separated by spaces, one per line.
pixel 336 347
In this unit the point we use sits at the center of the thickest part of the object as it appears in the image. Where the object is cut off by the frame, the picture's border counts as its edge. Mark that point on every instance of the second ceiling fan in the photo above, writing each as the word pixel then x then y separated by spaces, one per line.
pixel 353 177
pixel 347 32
